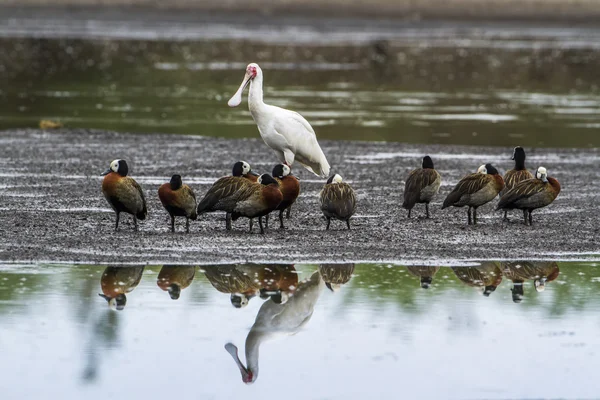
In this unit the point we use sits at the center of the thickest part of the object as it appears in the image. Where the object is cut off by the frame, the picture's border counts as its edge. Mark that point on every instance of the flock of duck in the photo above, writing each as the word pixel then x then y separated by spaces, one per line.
pixel 291 137
pixel 289 302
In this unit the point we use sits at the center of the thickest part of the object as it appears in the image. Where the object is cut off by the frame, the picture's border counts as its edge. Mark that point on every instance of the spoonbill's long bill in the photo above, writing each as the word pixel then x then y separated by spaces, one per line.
pixel 286 132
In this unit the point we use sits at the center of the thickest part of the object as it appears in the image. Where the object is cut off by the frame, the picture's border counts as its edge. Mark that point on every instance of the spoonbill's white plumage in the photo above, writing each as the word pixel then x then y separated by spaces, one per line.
pixel 286 132
pixel 274 320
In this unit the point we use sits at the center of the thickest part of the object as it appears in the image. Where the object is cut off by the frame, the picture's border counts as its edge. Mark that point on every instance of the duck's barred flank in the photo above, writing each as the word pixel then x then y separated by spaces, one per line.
pixel 227 279
pixel 488 274
pixel 336 273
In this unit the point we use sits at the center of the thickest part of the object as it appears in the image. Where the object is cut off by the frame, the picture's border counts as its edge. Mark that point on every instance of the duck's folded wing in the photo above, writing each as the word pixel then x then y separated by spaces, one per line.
pixel 523 190
pixel 468 185
pixel 225 192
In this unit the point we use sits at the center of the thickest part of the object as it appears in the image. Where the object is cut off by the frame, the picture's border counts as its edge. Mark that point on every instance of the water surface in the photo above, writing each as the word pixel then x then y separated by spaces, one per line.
pixel 324 332
pixel 455 84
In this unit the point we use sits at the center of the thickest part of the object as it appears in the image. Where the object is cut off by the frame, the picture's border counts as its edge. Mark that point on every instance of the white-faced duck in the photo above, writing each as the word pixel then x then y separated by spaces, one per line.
pixel 241 198
pixel 179 200
pixel 116 282
pixel 123 193
pixel 337 200
pixel 518 174
pixel 475 190
pixel 421 186
pixel 290 189
pixel 531 194
pixel 242 168
pixel 175 278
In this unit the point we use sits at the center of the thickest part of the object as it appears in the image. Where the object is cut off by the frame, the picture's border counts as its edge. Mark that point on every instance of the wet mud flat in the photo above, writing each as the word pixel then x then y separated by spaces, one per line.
pixel 52 208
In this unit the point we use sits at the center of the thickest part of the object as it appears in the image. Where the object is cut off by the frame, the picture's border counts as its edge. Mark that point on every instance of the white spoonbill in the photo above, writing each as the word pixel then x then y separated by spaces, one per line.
pixel 286 132
pixel 275 320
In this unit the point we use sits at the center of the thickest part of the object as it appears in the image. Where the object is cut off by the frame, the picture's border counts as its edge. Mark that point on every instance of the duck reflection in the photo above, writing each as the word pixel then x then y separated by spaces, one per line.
pixel 175 278
pixel 274 320
pixel 116 282
pixel 335 275
pixel 424 272
pixel 487 276
pixel 246 281
pixel 276 281
pixel 540 272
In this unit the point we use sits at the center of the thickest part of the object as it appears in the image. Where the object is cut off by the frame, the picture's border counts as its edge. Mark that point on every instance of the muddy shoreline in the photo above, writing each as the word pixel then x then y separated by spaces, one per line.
pixel 52 209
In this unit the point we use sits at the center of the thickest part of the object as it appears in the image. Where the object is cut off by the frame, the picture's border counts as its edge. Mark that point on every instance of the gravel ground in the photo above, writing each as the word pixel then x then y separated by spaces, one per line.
pixel 52 209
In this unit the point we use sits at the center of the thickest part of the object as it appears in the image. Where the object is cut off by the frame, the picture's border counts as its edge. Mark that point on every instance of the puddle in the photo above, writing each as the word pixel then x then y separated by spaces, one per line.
pixel 328 331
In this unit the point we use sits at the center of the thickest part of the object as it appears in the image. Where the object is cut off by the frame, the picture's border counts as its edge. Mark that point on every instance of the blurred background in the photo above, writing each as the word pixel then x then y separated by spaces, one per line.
pixel 461 72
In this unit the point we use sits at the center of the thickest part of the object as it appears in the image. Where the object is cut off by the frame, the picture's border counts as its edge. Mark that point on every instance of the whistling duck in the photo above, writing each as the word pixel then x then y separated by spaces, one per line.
pixel 540 272
pixel 335 275
pixel 276 281
pixel 175 278
pixel 337 200
pixel 531 194
pixel 290 189
pixel 517 174
pixel 274 320
pixel 242 168
pixel 123 193
pixel 487 276
pixel 179 200
pixel 421 185
pixel 116 282
pixel 511 271
pixel 474 190
pixel 426 273
pixel 229 279
pixel 242 198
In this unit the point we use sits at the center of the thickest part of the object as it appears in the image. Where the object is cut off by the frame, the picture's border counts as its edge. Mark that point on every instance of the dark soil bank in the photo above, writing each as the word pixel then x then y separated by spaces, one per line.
pixel 52 208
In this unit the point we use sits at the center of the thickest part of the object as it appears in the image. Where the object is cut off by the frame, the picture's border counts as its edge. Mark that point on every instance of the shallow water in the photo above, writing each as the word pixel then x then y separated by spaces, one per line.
pixel 377 332
pixel 423 83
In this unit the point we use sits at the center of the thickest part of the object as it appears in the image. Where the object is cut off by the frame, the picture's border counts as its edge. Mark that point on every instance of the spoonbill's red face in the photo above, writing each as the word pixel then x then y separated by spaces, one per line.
pixel 247 377
pixel 252 70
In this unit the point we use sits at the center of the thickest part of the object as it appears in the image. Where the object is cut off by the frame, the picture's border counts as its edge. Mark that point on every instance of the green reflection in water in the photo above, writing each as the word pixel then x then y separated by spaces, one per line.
pixel 533 97
pixel 571 284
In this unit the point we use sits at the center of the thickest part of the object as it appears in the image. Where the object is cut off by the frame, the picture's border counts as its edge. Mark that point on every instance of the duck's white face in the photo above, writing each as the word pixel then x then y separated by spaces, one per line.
pixel 337 179
pixel 542 174
pixel 252 70
pixel 482 170
pixel 245 167
pixel 112 303
pixel 286 170
pixel 114 166
pixel 540 285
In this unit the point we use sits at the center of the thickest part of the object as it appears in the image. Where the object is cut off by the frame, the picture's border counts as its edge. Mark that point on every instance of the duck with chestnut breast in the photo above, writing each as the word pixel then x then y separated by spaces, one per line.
pixel 174 278
pixel 338 200
pixel 241 174
pixel 243 169
pixel 116 282
pixel 179 200
pixel 475 190
pixel 518 174
pixel 262 199
pixel 421 185
pixel 290 189
pixel 426 273
pixel 531 194
pixel 123 193
pixel 241 198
